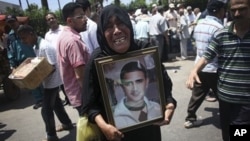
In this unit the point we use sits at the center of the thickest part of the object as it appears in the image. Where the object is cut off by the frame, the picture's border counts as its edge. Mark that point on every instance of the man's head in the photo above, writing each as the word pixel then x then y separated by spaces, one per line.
pixel 52 20
pixel 171 6
pixel 74 16
pixel 27 35
pixel 181 12
pixel 12 21
pixel 240 11
pixel 189 9
pixel 134 81
pixel 216 8
pixel 197 11
pixel 86 6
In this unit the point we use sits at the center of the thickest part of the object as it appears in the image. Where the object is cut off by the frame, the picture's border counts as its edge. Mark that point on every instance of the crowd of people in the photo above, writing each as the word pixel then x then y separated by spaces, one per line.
pixel 221 63
pixel 170 28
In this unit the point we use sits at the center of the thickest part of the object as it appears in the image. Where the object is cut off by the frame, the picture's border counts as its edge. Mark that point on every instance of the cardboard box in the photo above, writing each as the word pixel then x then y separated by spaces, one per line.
pixel 31 72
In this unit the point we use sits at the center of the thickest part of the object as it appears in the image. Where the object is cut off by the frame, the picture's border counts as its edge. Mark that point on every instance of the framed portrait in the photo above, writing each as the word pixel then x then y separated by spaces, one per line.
pixel 132 88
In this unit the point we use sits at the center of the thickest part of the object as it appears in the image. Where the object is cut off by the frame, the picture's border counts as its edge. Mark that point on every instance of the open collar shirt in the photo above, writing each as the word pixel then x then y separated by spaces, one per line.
pixel 71 53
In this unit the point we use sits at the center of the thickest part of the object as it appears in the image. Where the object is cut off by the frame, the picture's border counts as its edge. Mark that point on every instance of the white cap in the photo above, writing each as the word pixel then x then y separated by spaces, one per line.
pixel 138 12
pixel 189 8
pixel 154 5
pixel 171 5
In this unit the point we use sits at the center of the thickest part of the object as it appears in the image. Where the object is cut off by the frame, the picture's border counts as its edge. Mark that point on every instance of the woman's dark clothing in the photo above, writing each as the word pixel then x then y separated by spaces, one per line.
pixel 93 103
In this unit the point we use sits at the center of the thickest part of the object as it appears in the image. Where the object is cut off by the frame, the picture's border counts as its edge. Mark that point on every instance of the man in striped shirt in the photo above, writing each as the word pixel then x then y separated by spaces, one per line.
pixel 232 46
pixel 208 75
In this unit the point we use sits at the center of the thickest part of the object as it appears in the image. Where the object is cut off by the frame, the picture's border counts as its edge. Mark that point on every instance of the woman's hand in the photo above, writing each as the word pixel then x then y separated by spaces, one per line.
pixel 169 112
pixel 110 132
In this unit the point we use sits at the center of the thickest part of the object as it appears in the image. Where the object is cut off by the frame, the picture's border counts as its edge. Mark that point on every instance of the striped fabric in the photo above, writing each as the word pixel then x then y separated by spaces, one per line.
pixel 202 35
pixel 234 65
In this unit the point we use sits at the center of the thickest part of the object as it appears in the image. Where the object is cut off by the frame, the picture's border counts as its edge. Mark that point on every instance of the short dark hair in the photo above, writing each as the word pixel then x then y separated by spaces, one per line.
pixel 50 13
pixel 11 18
pixel 144 10
pixel 68 9
pixel 213 6
pixel 25 29
pixel 84 3
pixel 131 67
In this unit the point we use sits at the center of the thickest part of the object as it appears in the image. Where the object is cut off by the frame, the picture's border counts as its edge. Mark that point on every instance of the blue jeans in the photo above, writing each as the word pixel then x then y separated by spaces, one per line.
pixel 52 103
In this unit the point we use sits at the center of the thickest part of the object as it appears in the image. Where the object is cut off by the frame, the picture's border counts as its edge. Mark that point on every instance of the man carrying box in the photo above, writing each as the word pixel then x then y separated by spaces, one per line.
pixel 51 101
pixel 18 52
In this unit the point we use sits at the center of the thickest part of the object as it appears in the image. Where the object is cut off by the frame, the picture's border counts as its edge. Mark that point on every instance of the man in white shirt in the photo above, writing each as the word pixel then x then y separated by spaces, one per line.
pixel 89 36
pixel 52 36
pixel 172 17
pixel 142 26
pixel 51 101
pixel 191 23
pixel 158 29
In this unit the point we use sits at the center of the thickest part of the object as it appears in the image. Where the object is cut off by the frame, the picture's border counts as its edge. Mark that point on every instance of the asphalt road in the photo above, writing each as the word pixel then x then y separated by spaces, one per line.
pixel 20 122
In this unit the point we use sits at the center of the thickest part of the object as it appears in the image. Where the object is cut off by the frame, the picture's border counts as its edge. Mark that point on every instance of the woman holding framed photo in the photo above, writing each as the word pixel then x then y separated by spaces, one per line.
pixel 115 36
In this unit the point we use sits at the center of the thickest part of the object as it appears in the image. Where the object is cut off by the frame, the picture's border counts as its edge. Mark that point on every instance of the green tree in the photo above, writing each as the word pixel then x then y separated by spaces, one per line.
pixel 14 11
pixel 136 4
pixel 37 18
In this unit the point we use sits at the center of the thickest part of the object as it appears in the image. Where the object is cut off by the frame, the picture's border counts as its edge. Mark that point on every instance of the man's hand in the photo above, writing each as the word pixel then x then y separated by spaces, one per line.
pixel 193 77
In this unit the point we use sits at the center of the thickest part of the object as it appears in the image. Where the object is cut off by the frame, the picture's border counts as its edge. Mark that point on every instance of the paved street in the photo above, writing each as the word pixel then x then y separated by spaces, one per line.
pixel 20 122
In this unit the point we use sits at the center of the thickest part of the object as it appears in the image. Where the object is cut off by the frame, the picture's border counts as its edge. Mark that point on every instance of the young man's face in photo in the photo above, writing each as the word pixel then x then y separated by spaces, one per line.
pixel 134 85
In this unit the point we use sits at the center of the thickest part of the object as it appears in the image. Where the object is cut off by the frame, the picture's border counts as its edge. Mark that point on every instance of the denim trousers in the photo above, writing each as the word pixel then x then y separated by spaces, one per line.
pixel 199 92
pixel 52 103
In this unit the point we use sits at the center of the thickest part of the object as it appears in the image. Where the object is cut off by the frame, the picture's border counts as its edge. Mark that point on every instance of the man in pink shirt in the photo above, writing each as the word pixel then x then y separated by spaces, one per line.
pixel 72 52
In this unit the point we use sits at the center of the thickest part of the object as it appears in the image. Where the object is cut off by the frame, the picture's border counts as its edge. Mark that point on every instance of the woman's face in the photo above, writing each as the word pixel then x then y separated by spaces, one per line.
pixel 117 35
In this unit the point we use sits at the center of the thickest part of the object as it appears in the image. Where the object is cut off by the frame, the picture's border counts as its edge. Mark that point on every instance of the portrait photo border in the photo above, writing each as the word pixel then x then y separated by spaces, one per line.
pixel 100 62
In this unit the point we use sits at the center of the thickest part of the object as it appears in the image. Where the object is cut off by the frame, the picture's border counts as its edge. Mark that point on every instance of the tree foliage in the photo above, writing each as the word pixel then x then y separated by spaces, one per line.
pixel 37 18
pixel 14 11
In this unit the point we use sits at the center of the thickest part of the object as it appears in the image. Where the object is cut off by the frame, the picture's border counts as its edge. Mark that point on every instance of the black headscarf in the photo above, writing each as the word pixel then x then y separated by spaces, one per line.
pixel 122 15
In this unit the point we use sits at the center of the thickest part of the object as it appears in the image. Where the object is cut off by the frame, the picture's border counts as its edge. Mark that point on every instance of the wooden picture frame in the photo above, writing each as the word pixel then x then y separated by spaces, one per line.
pixel 120 93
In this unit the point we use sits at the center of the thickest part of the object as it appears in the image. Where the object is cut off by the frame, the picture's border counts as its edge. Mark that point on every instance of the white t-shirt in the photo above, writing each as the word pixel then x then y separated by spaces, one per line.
pixel 52 36
pixel 49 52
pixel 89 36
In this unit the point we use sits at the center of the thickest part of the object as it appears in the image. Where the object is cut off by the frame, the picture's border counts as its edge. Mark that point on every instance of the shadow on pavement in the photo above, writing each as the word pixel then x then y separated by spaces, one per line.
pixel 71 136
pixel 25 100
pixel 214 119
pixel 5 134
